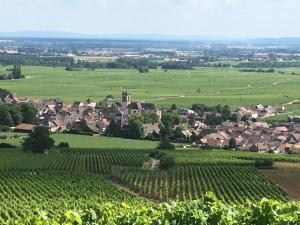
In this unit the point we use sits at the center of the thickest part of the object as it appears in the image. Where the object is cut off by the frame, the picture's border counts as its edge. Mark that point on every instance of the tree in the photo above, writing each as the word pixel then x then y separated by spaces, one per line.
pixel 177 134
pixel 150 117
pixel 166 130
pixel 135 129
pixel 173 107
pixel 29 113
pixel 165 144
pixel 5 117
pixel 114 128
pixel 213 119
pixel 170 118
pixel 245 118
pixel 38 141
pixel 4 93
pixel 166 162
pixel 232 143
pixel 226 112
pixel 17 72
pixel 16 114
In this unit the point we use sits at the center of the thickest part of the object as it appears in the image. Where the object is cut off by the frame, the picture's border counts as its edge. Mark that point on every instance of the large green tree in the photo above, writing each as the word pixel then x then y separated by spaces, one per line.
pixel 29 113
pixel 38 141
pixel 135 129
pixel 170 118
pixel 150 117
pixel 16 114
pixel 5 117
pixel 114 128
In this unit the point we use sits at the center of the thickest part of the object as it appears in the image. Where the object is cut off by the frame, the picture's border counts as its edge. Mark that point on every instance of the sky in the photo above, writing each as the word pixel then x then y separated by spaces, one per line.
pixel 201 18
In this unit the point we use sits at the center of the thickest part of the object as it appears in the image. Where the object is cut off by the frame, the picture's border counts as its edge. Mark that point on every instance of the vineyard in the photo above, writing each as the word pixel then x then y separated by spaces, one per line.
pixel 99 163
pixel 22 192
pixel 230 184
pixel 79 179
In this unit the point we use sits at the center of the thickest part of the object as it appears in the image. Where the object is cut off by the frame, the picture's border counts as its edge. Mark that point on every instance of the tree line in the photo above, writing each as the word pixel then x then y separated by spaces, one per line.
pixel 15 73
pixel 268 64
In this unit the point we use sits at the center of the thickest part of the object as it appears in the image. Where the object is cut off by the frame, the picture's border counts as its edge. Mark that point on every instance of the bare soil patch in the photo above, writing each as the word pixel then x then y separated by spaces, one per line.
pixel 289 180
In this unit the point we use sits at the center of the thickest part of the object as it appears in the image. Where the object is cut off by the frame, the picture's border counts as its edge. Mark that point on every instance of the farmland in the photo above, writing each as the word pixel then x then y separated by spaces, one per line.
pixel 56 191
pixel 184 87
pixel 116 174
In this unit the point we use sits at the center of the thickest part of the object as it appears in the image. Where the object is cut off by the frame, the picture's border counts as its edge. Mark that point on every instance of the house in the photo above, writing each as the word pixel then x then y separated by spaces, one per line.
pixel 102 125
pixel 10 99
pixel 187 133
pixel 259 107
pixel 220 139
pixel 185 112
pixel 89 104
pixel 295 119
pixel 293 139
pixel 151 128
pixel 26 128
pixel 280 130
pixel 131 107
pixel 139 107
pixel 121 116
pixel 274 110
pixel 295 148
pixel 109 102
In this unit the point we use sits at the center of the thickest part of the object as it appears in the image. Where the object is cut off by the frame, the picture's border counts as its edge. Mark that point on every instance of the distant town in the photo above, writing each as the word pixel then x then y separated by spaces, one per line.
pixel 201 126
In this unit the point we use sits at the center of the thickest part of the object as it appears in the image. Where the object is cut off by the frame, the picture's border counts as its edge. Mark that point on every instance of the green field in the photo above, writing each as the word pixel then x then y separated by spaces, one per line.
pixel 81 141
pixel 183 87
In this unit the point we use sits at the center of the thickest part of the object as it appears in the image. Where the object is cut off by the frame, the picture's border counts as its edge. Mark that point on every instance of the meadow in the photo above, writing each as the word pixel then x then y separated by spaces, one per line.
pixel 184 87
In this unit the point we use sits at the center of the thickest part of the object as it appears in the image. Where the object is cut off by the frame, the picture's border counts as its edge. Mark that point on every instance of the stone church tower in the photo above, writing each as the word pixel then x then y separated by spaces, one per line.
pixel 126 100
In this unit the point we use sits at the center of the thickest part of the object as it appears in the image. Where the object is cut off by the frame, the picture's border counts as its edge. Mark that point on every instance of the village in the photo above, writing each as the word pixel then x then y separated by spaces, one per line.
pixel 249 131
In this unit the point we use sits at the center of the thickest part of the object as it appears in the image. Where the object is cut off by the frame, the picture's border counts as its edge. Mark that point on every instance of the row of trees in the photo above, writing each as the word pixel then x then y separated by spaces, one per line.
pixel 271 70
pixel 16 73
pixel 10 59
pixel 268 64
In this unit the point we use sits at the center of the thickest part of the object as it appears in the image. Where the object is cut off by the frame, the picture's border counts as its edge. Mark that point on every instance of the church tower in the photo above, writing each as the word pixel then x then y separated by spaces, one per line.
pixel 125 96
pixel 126 100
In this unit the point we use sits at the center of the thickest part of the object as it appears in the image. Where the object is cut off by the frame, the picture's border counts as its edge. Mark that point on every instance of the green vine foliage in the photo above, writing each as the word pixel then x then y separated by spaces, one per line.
pixel 208 211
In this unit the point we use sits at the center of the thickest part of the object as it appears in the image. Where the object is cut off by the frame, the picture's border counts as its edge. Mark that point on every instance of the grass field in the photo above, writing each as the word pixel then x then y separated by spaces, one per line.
pixel 80 141
pixel 201 85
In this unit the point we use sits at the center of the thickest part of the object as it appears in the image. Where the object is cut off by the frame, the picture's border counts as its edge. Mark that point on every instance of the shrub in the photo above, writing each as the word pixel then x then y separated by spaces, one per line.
pixel 6 145
pixel 4 128
pixel 165 144
pixel 156 154
pixel 263 163
pixel 232 143
pixel 166 162
pixel 63 145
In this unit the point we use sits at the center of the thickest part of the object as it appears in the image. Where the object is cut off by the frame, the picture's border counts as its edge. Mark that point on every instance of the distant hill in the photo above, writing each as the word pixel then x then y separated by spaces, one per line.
pixel 277 41
pixel 290 41
pixel 70 35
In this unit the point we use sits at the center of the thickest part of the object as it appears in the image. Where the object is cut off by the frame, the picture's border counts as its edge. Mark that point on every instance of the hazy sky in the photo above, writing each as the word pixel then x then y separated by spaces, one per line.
pixel 222 18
